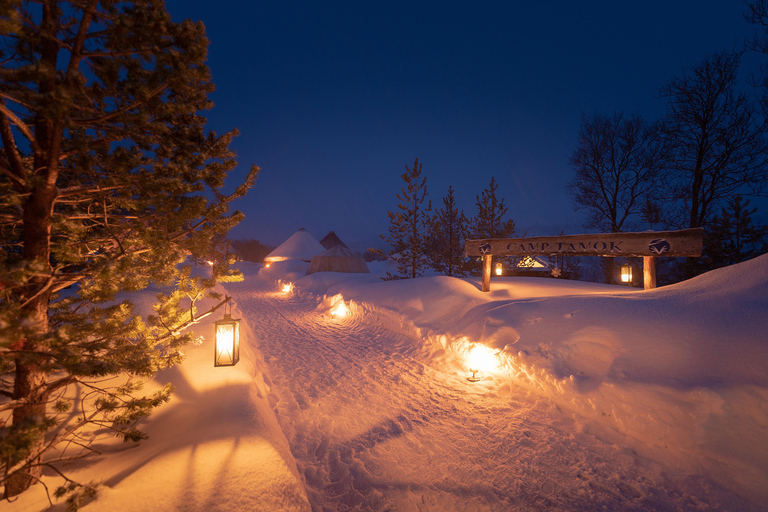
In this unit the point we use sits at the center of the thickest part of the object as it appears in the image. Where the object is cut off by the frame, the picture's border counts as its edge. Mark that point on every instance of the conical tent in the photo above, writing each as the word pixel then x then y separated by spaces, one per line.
pixel 338 259
pixel 331 240
pixel 299 246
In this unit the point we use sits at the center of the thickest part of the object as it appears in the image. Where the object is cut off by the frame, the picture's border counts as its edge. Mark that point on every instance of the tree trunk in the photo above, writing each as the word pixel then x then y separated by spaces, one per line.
pixel 29 380
pixel 27 386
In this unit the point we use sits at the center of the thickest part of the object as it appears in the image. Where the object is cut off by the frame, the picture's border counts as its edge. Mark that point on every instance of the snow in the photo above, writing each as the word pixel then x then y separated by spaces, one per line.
pixel 299 246
pixel 591 397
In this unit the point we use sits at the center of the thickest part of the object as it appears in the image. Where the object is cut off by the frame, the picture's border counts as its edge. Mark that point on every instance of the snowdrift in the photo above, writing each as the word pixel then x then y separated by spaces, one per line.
pixel 680 368
pixel 215 446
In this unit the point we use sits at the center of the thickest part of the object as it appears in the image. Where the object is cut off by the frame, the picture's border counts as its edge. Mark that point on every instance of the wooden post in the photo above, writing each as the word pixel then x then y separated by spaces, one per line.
pixel 649 272
pixel 486 272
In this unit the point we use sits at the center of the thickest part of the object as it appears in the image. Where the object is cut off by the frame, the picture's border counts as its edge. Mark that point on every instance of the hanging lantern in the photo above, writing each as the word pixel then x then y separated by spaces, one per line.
pixel 227 350
pixel 499 268
pixel 626 273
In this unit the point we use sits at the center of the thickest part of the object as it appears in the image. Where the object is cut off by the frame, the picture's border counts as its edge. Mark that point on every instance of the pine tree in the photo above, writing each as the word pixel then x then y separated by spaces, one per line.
pixel 408 227
pixel 108 181
pixel 491 211
pixel 733 237
pixel 449 227
pixel 489 222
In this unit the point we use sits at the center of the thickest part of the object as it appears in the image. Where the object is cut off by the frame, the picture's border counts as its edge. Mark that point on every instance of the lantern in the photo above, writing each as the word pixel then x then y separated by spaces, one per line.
pixel 340 310
pixel 480 358
pixel 626 273
pixel 288 288
pixel 499 268
pixel 227 350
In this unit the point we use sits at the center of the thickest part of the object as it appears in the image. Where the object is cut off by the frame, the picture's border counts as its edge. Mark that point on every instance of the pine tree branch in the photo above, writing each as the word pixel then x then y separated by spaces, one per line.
pixel 75 191
pixel 111 115
pixel 76 50
pixel 23 128
pixel 15 164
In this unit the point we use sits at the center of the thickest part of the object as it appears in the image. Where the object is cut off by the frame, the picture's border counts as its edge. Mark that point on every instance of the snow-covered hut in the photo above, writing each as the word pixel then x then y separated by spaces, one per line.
pixel 299 246
pixel 338 259
pixel 331 240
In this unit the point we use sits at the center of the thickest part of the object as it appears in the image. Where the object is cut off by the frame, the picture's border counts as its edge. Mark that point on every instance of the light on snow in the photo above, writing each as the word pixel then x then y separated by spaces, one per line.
pixel 481 359
pixel 340 310
pixel 287 287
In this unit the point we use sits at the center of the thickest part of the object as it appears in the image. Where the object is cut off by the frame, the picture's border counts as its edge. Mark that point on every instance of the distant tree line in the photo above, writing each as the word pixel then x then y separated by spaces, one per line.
pixel 697 166
pixel 251 250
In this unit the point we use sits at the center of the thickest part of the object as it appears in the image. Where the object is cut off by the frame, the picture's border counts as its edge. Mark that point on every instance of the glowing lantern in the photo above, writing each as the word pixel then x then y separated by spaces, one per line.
pixel 210 263
pixel 227 350
pixel 481 358
pixel 339 310
pixel 626 273
pixel 266 265
pixel 499 268
pixel 288 288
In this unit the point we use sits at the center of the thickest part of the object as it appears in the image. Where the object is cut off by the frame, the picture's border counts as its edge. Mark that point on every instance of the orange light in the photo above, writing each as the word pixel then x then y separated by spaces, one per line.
pixel 481 359
pixel 626 273
pixel 339 310
pixel 288 288
pixel 227 341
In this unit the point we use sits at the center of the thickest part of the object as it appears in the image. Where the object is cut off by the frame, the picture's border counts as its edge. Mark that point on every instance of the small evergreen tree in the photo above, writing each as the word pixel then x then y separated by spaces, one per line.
pixel 409 227
pixel 489 222
pixel 733 237
pixel 491 211
pixel 108 181
pixel 449 227
pixel 650 213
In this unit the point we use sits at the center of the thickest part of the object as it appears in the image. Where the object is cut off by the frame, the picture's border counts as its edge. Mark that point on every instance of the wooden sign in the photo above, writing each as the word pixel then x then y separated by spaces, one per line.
pixel 649 245
pixel 686 242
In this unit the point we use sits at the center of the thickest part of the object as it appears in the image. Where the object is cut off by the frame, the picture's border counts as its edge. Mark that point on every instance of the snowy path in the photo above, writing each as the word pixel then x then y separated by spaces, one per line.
pixel 372 428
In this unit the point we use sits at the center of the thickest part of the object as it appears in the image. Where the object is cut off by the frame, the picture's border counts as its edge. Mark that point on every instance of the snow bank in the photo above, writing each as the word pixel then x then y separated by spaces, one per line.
pixel 215 446
pixel 681 368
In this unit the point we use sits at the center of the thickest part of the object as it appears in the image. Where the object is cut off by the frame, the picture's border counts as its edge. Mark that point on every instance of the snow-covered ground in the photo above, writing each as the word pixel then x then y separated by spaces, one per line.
pixel 591 397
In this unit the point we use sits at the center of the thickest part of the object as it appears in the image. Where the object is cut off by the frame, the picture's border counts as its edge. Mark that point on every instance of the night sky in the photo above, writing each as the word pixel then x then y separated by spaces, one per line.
pixel 333 99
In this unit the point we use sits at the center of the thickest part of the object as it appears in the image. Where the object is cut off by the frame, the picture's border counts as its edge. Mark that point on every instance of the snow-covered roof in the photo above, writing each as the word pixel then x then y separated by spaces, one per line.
pixel 331 240
pixel 299 246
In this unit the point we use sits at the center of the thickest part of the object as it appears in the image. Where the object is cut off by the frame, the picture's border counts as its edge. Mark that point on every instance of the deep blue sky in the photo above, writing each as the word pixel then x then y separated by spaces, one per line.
pixel 333 99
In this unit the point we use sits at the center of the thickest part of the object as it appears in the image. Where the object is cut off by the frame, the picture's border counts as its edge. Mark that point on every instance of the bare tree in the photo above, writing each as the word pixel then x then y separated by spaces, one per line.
pixel 714 140
pixel 617 164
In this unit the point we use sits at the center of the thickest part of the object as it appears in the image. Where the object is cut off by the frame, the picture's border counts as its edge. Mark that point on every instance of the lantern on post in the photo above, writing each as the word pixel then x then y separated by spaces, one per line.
pixel 227 350
pixel 499 268
pixel 626 273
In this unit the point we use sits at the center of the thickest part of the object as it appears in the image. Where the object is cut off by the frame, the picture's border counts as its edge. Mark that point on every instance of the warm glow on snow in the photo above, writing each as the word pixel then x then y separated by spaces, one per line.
pixel 482 359
pixel 287 287
pixel 339 310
